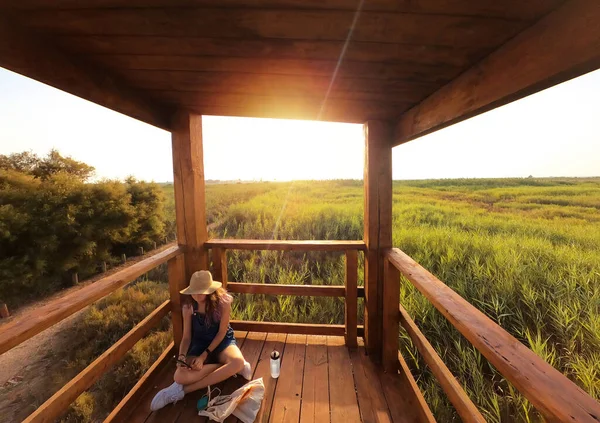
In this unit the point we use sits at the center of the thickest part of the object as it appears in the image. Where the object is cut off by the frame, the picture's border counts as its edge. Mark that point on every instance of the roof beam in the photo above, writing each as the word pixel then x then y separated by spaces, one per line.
pixel 34 57
pixel 563 45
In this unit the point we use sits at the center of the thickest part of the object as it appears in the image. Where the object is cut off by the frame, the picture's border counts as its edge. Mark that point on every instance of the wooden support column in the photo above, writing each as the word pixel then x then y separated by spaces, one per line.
pixel 220 265
pixel 188 181
pixel 177 282
pixel 351 297
pixel 391 317
pixel 377 224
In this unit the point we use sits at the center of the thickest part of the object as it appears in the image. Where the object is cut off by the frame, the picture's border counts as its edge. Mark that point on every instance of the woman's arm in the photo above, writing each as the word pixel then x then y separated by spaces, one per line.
pixel 224 325
pixel 186 339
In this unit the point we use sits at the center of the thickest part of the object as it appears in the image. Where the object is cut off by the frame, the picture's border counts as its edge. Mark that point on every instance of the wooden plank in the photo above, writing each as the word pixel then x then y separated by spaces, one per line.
pixel 377 226
pixel 404 28
pixel 286 405
pixel 306 90
pixel 36 58
pixel 342 397
pixel 220 265
pixel 403 54
pixel 509 9
pixel 296 328
pixel 351 301
pixel 391 298
pixel 411 71
pixel 20 330
pixel 284 245
pixel 177 282
pixel 554 395
pixel 315 387
pixel 405 401
pixel 371 400
pixel 274 341
pixel 281 289
pixel 122 411
pixel 462 403
pixel 60 401
pixel 188 183
pixel 141 410
pixel 561 46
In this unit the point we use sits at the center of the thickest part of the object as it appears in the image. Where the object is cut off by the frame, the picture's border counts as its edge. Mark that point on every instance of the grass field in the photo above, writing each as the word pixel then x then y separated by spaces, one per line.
pixel 524 251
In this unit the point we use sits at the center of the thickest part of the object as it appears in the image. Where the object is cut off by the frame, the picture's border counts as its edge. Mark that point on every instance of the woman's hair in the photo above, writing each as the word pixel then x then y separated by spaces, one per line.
pixel 215 303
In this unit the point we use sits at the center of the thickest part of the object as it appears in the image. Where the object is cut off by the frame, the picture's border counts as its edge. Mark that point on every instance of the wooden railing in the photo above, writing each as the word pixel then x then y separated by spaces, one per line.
pixel 554 395
pixel 21 329
pixel 350 291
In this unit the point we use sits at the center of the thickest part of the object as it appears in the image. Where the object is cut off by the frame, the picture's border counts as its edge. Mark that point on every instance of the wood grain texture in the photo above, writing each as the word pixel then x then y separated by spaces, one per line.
pixel 177 282
pixel 60 401
pixel 351 300
pixel 342 398
pixel 553 394
pixel 282 289
pixel 462 403
pixel 122 411
pixel 369 392
pixel 188 183
pixel 509 9
pixel 220 266
pixel 561 46
pixel 295 328
pixel 315 386
pixel 391 298
pixel 274 341
pixel 377 226
pixel 284 245
pixel 141 410
pixel 286 405
pixel 403 28
pixel 19 330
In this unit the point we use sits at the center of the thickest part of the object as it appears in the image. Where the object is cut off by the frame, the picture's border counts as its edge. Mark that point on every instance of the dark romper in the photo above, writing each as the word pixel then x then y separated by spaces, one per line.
pixel 203 335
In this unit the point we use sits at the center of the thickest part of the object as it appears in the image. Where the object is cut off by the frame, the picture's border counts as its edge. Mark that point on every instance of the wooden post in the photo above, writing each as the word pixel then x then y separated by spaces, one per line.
pixel 123 258
pixel 391 316
pixel 378 224
pixel 74 278
pixel 351 297
pixel 177 282
pixel 103 267
pixel 154 245
pixel 4 311
pixel 188 183
pixel 141 251
pixel 220 265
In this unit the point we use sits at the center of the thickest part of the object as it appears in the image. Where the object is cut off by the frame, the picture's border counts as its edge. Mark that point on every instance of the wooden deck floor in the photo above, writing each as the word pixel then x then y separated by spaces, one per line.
pixel 321 381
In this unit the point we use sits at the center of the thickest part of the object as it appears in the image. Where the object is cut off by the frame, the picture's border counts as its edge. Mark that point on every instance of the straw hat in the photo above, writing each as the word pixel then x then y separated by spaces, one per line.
pixel 201 282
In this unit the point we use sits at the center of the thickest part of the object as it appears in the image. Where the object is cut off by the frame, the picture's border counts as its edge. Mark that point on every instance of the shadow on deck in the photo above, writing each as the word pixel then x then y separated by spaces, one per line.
pixel 321 380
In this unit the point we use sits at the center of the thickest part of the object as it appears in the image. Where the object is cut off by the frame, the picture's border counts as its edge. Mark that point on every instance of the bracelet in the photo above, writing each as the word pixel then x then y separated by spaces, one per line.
pixel 208 351
pixel 181 355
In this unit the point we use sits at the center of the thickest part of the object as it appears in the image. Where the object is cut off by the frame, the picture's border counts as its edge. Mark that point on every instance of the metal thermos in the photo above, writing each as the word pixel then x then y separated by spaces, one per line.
pixel 275 364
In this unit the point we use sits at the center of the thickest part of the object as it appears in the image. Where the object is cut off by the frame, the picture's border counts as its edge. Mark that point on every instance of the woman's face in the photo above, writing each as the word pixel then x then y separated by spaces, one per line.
pixel 199 298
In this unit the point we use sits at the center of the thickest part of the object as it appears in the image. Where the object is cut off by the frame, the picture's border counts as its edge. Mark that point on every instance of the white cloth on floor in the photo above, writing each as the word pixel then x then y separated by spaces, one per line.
pixel 244 403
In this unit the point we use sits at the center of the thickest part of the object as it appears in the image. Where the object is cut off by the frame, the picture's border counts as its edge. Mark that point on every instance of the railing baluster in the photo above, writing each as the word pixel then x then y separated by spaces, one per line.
pixel 220 265
pixel 177 282
pixel 351 305
pixel 391 316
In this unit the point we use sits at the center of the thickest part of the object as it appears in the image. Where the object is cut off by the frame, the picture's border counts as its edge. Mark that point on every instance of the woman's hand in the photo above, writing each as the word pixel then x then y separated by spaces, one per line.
pixel 198 362
pixel 183 358
pixel 187 310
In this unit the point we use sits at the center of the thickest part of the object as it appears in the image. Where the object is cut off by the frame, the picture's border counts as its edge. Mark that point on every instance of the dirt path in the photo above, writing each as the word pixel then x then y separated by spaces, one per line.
pixel 27 371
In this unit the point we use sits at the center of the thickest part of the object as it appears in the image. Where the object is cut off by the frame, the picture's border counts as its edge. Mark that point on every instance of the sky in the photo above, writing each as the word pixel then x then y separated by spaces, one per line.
pixel 552 133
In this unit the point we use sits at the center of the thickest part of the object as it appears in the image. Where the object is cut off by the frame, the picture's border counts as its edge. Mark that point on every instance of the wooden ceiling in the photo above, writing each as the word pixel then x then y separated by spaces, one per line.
pixel 335 60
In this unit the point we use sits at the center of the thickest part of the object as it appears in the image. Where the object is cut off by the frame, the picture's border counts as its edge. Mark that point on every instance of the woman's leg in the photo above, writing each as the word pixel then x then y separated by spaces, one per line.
pixel 186 376
pixel 232 362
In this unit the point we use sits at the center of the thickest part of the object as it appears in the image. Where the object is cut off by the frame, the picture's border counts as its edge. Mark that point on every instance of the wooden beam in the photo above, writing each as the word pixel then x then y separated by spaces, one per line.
pixel 351 300
pixel 391 324
pixel 60 401
pixel 35 57
pixel 552 393
pixel 412 392
pixel 563 45
pixel 282 289
pixel 467 411
pixel 377 225
pixel 219 259
pixel 509 9
pixel 188 182
pixel 177 282
pixel 121 412
pixel 285 245
pixel 297 328
pixel 20 330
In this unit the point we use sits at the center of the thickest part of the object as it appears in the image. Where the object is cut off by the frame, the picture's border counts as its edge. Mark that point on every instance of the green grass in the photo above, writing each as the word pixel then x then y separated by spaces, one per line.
pixel 524 251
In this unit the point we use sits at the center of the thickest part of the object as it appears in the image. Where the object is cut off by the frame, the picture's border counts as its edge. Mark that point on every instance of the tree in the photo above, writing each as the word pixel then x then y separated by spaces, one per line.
pixel 45 168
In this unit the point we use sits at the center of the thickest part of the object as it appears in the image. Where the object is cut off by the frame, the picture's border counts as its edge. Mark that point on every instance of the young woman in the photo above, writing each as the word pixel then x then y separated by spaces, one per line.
pixel 208 344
